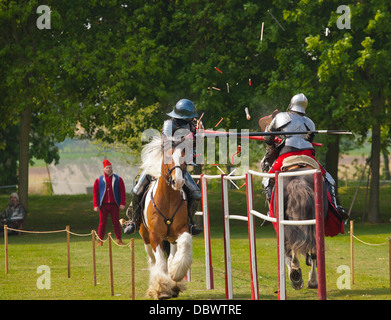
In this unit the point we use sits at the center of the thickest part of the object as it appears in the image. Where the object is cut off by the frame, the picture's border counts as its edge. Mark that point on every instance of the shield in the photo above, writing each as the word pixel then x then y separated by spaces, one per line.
pixel 264 122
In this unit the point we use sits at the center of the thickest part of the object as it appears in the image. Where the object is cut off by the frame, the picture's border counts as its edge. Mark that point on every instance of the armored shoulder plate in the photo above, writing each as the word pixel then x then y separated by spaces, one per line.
pixel 172 125
pixel 309 123
pixel 281 119
pixel 167 128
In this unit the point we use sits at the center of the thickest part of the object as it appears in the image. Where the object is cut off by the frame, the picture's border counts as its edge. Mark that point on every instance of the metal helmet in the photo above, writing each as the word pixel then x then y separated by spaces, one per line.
pixel 298 103
pixel 184 109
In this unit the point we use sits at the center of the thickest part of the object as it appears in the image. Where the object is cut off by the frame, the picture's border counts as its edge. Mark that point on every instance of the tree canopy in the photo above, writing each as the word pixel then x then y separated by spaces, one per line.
pixel 116 68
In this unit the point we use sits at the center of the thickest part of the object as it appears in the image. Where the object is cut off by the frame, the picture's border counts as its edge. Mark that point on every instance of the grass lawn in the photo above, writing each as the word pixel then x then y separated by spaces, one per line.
pixel 29 251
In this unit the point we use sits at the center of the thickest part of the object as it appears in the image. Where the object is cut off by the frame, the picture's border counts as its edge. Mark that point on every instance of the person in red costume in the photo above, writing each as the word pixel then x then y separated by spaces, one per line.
pixel 108 198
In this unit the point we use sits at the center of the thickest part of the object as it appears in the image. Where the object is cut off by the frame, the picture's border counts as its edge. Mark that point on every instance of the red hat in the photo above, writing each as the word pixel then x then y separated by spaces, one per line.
pixel 106 163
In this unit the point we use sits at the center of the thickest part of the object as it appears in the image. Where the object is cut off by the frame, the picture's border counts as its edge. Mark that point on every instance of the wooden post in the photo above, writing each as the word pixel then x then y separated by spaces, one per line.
pixel 351 253
pixel 111 266
pixel 133 278
pixel 389 258
pixel 93 256
pixel 6 248
pixel 69 251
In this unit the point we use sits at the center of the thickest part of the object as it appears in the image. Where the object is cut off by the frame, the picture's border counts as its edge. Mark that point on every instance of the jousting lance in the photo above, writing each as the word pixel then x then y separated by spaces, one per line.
pixel 260 135
pixel 211 133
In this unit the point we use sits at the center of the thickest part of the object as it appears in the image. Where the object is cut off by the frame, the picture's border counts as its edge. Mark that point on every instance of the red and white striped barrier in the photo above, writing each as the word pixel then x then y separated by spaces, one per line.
pixel 227 237
pixel 319 221
pixel 205 214
pixel 251 214
pixel 205 210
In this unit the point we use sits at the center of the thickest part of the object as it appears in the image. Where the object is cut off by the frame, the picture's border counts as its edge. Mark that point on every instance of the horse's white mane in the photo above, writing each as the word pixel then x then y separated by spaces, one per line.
pixel 151 157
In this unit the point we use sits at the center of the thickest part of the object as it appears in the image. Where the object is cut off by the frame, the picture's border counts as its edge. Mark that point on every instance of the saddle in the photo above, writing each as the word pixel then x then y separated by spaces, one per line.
pixel 298 162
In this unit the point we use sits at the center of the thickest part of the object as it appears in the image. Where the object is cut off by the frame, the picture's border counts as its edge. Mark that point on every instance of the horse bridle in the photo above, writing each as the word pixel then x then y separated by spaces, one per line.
pixel 170 179
pixel 169 171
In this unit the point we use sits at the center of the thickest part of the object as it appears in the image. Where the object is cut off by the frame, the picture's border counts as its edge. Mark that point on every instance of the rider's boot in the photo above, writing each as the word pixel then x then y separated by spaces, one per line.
pixel 193 194
pixel 191 210
pixel 342 212
pixel 134 210
pixel 133 213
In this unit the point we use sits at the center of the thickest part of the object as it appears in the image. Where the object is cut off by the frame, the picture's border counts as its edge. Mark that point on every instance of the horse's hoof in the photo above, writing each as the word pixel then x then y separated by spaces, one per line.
pixel 164 296
pixel 296 279
pixel 179 287
pixel 312 285
pixel 175 292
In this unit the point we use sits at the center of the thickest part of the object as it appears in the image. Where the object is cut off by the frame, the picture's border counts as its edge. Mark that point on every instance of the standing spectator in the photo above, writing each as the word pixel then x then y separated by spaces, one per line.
pixel 108 197
pixel 14 214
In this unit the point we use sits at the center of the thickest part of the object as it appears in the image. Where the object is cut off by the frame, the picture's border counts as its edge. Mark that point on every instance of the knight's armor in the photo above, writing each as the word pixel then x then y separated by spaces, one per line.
pixel 182 115
pixel 293 120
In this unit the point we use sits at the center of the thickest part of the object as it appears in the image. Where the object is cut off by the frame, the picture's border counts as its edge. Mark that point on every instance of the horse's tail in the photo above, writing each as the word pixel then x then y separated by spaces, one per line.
pixel 299 206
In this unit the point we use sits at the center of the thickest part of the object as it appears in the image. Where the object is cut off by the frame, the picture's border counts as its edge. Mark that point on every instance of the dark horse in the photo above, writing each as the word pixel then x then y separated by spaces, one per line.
pixel 299 204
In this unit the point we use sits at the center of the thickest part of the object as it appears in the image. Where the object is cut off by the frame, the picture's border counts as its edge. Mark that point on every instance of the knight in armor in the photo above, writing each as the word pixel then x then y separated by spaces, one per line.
pixel 292 120
pixel 181 119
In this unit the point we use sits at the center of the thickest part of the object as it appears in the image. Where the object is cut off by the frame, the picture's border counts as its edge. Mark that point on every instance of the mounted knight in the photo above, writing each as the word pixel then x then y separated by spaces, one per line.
pixel 286 152
pixel 180 125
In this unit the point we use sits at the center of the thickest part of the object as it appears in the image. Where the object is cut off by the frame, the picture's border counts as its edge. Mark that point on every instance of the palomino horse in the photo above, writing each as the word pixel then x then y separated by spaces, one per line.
pixel 299 204
pixel 165 218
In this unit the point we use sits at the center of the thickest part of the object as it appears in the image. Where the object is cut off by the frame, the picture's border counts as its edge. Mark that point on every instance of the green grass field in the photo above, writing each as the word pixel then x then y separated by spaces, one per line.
pixel 29 251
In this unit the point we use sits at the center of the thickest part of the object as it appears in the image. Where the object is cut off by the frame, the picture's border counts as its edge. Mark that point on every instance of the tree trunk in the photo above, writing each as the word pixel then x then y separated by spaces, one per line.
pixel 387 174
pixel 374 210
pixel 332 157
pixel 24 139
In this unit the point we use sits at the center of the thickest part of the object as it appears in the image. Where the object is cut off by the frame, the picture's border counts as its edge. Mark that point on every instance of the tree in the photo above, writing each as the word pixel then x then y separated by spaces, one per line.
pixel 56 77
pixel 345 73
pixel 365 79
pixel 116 68
pixel 26 57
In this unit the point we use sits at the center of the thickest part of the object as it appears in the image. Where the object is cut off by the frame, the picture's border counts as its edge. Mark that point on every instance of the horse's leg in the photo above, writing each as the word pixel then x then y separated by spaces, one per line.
pixel 173 249
pixel 151 256
pixel 313 277
pixel 161 285
pixel 177 288
pixel 295 272
pixel 180 261
pixel 183 258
